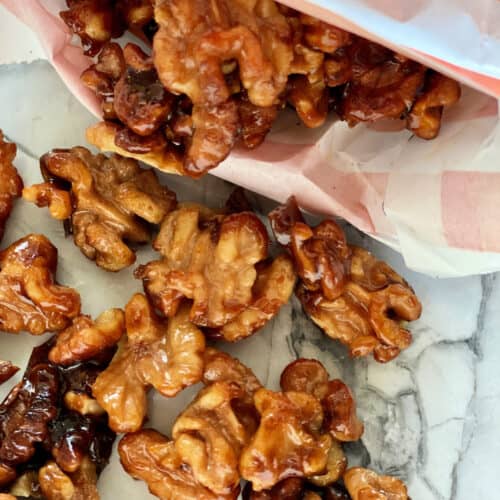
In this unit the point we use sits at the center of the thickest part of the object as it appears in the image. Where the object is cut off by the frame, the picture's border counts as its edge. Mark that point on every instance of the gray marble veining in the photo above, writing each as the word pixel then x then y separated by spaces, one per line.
pixel 430 415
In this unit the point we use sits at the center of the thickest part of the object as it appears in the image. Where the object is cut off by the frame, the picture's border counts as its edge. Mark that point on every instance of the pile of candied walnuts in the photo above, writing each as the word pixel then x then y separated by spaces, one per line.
pixel 215 279
pixel 218 73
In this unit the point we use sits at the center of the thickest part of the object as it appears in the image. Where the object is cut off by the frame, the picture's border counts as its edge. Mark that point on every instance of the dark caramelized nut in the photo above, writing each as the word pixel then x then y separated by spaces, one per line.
pixel 30 298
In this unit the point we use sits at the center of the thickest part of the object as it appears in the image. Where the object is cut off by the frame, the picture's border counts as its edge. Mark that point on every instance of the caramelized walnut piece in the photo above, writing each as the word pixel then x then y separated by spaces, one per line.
pixel 30 298
pixel 113 200
pixel 212 261
pixel 102 76
pixel 195 39
pixel 209 437
pixel 364 484
pixel 310 100
pixel 25 416
pixel 255 121
pixel 289 441
pixel 152 457
pixel 166 357
pixel 82 403
pixel 383 84
pixel 339 406
pixel 439 92
pixel 94 22
pixel 346 291
pixel 272 289
pixel 140 100
pixel 86 338
pixel 7 370
pixel 139 17
pixel 11 183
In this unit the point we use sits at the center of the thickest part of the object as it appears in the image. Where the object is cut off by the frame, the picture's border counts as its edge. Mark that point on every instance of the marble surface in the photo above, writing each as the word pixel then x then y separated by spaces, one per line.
pixel 430 416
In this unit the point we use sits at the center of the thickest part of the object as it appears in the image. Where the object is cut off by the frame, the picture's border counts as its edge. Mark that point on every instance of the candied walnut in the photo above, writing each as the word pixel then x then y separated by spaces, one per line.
pixel 310 100
pixel 7 370
pixel 338 68
pixel 150 456
pixel 383 84
pixel 113 200
pixel 108 136
pixel 11 183
pixel 255 121
pixel 47 194
pixel 272 289
pixel 288 441
pixel 140 100
pixel 364 484
pixel 25 415
pixel 166 357
pixel 210 261
pixel 195 39
pixel 209 437
pixel 30 298
pixel 439 92
pixel 221 367
pixel 86 338
pixel 93 21
pixel 339 406
pixel 35 426
pixel 346 291
pixel 80 485
pixel 102 76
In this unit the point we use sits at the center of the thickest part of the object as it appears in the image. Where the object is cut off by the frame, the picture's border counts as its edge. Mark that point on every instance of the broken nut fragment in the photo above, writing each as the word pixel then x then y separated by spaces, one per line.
pixel 11 184
pixel 30 298
pixel 209 260
pixel 86 338
pixel 364 484
pixel 113 200
pixel 168 357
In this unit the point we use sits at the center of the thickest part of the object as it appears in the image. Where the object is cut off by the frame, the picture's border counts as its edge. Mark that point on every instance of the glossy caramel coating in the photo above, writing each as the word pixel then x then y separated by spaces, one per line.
pixel 112 202
pixel 210 260
pixel 86 338
pixel 30 298
pixel 364 484
pixel 351 295
pixel 11 184
pixel 168 357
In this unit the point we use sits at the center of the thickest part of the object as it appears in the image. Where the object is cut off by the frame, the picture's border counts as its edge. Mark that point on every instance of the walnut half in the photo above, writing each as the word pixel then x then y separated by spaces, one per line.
pixel 113 200
pixel 30 298
pixel 165 355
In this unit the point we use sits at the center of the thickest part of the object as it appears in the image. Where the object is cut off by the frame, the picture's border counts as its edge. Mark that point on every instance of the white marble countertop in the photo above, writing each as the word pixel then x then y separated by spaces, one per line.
pixel 430 416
